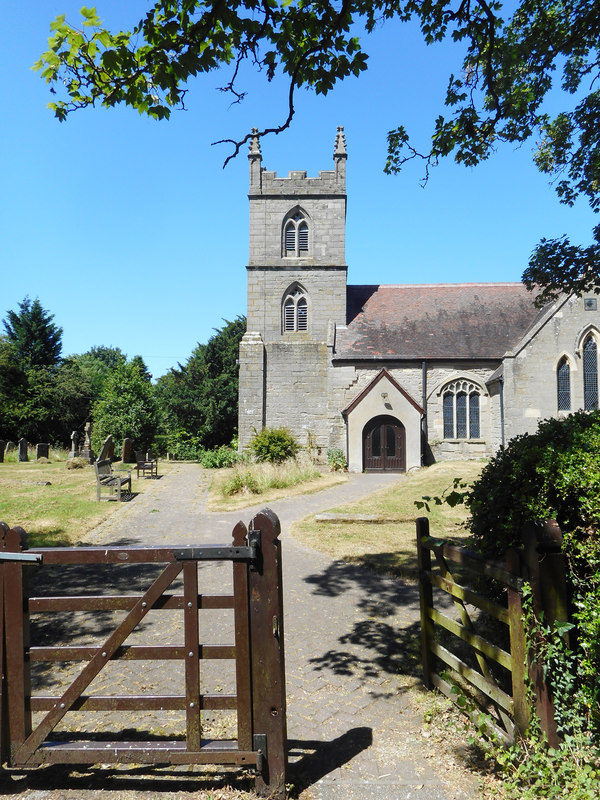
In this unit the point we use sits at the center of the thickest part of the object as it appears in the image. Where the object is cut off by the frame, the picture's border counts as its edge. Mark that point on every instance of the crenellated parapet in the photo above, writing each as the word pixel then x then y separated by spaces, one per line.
pixel 297 182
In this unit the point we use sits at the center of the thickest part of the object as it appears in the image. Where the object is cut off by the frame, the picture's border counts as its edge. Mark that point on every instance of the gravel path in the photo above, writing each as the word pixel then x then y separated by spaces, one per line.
pixel 350 635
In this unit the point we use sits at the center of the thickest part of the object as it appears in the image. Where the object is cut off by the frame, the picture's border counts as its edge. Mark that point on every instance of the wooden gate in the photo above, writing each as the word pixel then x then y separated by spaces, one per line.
pixel 29 718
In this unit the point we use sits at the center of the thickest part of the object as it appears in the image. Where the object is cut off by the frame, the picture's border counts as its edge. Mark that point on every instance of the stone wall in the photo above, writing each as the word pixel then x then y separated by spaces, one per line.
pixel 530 390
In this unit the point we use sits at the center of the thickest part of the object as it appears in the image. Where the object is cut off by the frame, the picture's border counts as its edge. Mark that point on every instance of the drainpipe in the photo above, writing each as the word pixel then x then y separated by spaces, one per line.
pixel 424 404
pixel 501 385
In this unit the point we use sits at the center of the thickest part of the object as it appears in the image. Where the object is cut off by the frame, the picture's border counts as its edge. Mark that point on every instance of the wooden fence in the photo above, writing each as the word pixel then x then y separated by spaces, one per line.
pixel 473 642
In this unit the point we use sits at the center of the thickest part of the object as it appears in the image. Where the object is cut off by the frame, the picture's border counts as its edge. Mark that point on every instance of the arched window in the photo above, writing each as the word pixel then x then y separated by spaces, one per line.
pixel 590 373
pixel 563 385
pixel 295 310
pixel 460 404
pixel 295 236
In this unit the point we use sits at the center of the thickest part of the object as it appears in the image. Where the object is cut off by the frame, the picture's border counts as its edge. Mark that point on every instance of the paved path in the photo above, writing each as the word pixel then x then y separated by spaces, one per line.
pixel 351 645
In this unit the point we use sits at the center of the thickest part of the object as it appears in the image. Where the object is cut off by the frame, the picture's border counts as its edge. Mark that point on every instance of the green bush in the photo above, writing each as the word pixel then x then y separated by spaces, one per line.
pixel 273 445
pixel 336 459
pixel 554 473
pixel 218 458
pixel 184 446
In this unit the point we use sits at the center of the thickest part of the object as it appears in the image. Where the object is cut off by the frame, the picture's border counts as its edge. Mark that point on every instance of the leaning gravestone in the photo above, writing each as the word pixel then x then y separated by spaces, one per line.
pixel 23 450
pixel 2 447
pixel 127 453
pixel 108 449
pixel 42 450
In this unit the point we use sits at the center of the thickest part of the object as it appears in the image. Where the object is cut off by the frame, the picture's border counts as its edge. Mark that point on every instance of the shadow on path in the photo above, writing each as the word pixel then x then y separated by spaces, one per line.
pixel 378 643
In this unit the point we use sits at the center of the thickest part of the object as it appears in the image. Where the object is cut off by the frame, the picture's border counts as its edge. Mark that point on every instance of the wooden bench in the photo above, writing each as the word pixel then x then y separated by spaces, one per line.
pixel 146 464
pixel 110 482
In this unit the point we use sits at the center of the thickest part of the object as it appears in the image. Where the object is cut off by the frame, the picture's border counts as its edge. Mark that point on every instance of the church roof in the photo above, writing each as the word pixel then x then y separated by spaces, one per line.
pixel 435 321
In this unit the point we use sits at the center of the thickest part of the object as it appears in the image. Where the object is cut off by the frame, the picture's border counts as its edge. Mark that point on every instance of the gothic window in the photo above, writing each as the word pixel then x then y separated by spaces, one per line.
pixel 590 373
pixel 563 385
pixel 295 236
pixel 460 405
pixel 295 310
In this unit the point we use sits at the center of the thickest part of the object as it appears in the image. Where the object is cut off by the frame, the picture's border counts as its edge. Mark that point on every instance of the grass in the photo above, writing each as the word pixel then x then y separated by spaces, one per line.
pixel 389 547
pixel 248 484
pixel 54 505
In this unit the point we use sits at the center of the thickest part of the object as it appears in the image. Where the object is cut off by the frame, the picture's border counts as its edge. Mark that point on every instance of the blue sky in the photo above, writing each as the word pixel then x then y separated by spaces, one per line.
pixel 131 233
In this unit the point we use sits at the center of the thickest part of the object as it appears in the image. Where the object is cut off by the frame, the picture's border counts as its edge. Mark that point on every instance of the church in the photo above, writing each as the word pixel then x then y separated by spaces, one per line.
pixel 396 376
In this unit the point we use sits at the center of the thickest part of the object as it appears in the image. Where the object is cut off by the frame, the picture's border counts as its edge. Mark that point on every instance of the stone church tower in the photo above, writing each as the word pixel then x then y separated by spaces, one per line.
pixel 296 297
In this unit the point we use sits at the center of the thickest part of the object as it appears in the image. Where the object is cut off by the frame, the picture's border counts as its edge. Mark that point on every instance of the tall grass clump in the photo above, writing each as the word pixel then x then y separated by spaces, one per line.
pixel 260 478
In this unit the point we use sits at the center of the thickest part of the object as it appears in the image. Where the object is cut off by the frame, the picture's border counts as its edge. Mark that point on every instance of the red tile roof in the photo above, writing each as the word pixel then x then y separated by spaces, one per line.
pixel 435 321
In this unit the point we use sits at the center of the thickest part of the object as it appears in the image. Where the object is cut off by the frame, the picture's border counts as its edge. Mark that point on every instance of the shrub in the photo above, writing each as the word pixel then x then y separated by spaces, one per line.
pixel 336 459
pixel 554 473
pixel 273 445
pixel 218 458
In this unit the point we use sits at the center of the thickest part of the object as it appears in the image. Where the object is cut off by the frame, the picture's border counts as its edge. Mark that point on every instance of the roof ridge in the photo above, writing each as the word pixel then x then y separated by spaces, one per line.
pixel 438 285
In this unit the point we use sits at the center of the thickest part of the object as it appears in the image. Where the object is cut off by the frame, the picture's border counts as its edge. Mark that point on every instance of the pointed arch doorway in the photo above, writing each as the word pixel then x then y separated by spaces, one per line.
pixel 384 445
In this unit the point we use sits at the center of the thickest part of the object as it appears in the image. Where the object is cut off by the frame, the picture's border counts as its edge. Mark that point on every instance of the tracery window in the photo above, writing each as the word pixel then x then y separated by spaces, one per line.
pixel 563 385
pixel 295 311
pixel 590 373
pixel 461 411
pixel 295 236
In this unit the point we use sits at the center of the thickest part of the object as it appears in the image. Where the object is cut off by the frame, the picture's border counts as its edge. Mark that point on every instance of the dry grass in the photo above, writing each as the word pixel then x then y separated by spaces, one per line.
pixel 54 505
pixel 390 546
pixel 271 481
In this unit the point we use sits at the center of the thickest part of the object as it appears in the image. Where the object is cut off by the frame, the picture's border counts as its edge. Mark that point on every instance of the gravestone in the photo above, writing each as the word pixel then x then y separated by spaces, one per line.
pixel 42 450
pixel 10 446
pixel 108 449
pixel 74 452
pixel 127 453
pixel 23 450
pixel 2 447
pixel 87 451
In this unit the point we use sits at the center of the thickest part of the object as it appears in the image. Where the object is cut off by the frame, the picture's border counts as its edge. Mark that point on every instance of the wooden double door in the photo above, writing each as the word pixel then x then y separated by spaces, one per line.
pixel 384 445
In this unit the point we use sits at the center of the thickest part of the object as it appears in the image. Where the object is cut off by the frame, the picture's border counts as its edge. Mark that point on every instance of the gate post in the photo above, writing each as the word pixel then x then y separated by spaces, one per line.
pixel 517 646
pixel 267 656
pixel 426 601
pixel 17 679
pixel 4 741
pixel 546 567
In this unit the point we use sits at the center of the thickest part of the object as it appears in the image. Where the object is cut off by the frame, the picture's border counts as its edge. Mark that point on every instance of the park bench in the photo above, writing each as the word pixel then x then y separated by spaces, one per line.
pixel 146 464
pixel 110 482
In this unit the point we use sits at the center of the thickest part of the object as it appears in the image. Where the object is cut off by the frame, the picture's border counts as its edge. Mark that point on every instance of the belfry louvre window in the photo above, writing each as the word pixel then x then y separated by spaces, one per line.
pixel 295 236
pixel 460 404
pixel 563 385
pixel 590 373
pixel 295 311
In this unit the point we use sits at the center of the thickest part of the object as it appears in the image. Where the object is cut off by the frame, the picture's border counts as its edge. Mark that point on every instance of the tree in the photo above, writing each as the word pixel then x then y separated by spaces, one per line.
pixel 502 93
pixel 126 407
pixel 35 339
pixel 201 397
pixel 97 364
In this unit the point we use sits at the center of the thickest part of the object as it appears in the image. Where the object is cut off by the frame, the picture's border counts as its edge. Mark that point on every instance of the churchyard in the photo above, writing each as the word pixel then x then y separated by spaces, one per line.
pixel 55 505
